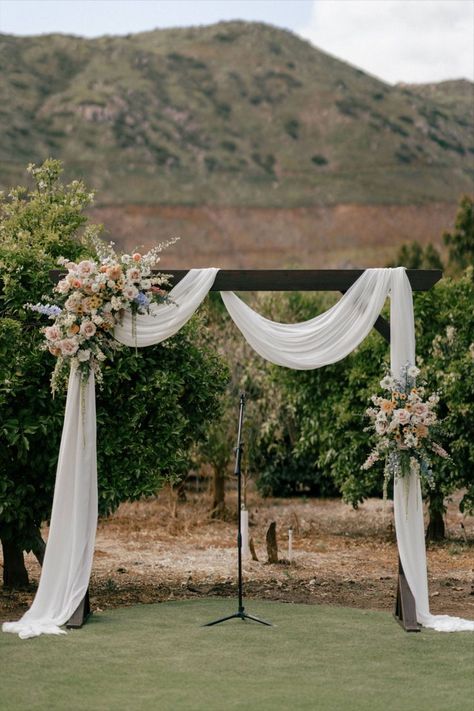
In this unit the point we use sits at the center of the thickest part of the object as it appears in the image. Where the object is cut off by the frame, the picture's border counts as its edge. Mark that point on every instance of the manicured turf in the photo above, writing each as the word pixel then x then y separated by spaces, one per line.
pixel 157 657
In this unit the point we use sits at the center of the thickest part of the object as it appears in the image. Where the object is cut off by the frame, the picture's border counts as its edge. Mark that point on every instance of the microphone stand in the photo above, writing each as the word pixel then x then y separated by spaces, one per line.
pixel 240 614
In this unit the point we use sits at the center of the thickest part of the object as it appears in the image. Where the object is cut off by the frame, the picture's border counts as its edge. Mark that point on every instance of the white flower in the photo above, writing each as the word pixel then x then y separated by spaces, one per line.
pixel 98 320
pixel 107 307
pixel 410 440
pixel 126 259
pixel 380 427
pixel 413 371
pixel 145 284
pixel 87 329
pixel 450 333
pixel 129 291
pixel 99 355
pixel 116 304
pixel 387 382
pixel 83 355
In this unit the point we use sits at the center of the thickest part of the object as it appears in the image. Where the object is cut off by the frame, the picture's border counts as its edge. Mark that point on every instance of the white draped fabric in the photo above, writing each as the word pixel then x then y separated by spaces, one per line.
pixel 311 344
pixel 68 558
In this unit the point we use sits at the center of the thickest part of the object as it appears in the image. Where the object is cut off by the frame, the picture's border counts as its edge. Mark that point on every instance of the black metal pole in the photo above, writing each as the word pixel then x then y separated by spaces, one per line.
pixel 240 614
pixel 238 473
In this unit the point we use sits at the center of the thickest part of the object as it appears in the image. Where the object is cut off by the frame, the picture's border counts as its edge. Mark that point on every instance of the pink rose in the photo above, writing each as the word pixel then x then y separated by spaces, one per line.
pixel 85 268
pixel 52 333
pixel 402 416
pixel 63 286
pixel 420 408
pixel 68 346
pixel 133 274
pixel 88 329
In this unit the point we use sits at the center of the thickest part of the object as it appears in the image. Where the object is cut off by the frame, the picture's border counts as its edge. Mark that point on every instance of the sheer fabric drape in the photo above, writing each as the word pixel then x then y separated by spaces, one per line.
pixel 311 344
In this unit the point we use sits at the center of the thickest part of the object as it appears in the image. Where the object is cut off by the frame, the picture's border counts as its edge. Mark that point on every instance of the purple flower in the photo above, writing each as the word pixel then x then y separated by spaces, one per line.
pixel 142 300
pixel 46 309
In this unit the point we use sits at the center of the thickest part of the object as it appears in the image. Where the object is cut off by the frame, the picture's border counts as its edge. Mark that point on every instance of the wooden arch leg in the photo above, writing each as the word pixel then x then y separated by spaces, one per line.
pixel 80 616
pixel 405 606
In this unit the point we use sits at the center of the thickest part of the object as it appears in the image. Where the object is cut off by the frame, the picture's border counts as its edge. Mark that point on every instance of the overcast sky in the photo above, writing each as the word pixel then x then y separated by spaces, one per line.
pixel 397 40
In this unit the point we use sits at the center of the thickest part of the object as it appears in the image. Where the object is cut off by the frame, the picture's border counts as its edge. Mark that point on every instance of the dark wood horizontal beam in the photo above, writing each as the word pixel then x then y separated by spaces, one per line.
pixel 302 279
pixel 294 279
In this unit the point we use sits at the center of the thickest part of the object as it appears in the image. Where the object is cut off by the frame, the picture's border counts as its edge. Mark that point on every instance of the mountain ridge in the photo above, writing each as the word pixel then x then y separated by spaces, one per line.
pixel 235 113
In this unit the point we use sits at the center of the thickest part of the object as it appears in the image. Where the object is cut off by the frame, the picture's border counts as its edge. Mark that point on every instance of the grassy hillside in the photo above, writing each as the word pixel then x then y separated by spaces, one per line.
pixel 234 114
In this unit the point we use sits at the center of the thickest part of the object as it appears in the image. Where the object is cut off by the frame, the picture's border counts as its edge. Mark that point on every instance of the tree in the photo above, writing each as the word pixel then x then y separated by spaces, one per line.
pixel 461 240
pixel 153 406
pixel 413 256
pixel 445 328
pixel 328 404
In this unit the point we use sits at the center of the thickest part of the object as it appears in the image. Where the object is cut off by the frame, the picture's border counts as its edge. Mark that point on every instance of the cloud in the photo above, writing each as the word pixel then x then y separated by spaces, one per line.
pixel 397 40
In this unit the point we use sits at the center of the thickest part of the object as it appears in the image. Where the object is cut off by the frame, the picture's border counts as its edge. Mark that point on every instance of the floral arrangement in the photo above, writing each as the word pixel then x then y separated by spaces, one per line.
pixel 404 423
pixel 91 300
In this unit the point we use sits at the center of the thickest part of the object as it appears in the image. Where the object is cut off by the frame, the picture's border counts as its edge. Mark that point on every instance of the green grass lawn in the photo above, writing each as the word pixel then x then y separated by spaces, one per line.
pixel 315 657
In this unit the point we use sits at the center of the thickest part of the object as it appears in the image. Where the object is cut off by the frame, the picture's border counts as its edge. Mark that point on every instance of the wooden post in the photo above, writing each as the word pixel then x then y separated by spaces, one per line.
pixel 82 613
pixel 405 606
pixel 272 545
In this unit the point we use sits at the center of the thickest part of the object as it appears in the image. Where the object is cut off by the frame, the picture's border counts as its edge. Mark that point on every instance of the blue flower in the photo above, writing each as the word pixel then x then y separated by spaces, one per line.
pixel 142 300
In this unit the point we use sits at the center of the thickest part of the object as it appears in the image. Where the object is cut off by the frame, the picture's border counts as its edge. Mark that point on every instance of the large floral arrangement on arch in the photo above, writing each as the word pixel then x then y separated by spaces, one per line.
pixel 92 298
pixel 406 425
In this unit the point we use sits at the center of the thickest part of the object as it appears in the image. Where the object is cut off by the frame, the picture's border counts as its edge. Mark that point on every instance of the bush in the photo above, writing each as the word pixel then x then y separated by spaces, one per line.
pixel 153 406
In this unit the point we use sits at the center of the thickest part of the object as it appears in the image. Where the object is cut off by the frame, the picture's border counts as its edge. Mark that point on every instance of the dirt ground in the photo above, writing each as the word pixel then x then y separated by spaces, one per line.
pixel 162 549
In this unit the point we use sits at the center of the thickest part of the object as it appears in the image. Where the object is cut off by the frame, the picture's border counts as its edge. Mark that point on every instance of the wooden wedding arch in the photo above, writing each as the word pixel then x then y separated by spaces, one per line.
pixel 302 280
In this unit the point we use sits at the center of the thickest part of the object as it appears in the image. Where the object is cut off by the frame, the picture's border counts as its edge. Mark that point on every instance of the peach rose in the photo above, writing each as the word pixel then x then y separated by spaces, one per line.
pixel 114 272
pixel 136 257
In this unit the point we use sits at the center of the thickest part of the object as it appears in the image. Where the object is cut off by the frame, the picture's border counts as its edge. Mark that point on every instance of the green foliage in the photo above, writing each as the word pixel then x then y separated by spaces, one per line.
pixel 153 405
pixel 414 256
pixel 445 344
pixel 461 240
pixel 319 433
pixel 35 228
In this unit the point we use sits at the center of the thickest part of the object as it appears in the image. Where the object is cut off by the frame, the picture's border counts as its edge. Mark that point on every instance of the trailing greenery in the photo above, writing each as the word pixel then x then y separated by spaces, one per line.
pixel 154 404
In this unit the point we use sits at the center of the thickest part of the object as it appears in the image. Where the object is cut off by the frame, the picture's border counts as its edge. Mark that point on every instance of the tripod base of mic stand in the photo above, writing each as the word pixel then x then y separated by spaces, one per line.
pixel 241 615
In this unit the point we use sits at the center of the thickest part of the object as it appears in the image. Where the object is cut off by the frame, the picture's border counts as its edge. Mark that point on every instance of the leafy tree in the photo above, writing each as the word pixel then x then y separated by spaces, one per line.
pixel 445 343
pixel 414 256
pixel 327 405
pixel 153 406
pixel 461 240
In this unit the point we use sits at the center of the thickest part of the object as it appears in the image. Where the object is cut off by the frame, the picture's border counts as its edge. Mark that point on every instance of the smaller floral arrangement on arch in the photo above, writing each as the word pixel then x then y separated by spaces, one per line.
pixel 92 298
pixel 406 424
